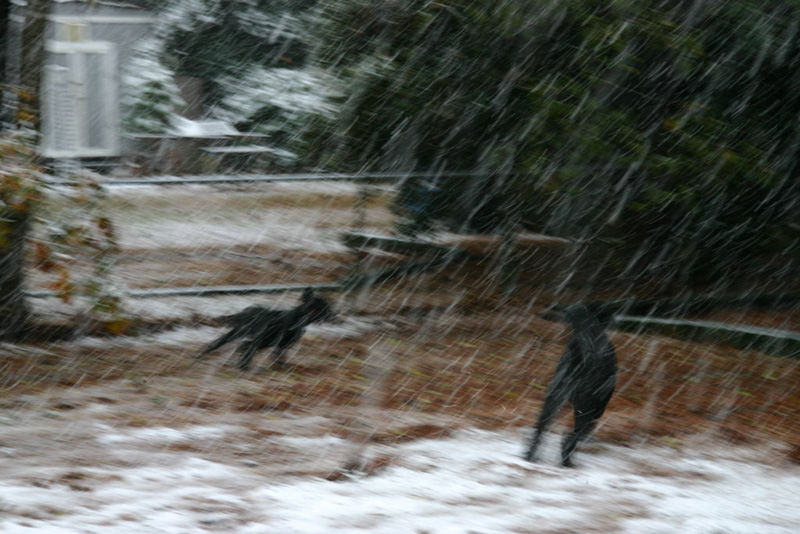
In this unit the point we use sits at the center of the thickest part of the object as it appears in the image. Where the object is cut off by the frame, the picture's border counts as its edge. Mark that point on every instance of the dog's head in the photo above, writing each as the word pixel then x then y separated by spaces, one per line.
pixel 589 314
pixel 316 308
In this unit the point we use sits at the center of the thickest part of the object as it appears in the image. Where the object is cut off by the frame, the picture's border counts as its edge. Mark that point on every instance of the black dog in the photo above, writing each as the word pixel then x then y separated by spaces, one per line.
pixel 263 327
pixel 586 376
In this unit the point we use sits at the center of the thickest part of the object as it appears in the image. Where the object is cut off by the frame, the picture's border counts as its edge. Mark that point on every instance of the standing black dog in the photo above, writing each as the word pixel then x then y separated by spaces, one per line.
pixel 586 376
pixel 262 327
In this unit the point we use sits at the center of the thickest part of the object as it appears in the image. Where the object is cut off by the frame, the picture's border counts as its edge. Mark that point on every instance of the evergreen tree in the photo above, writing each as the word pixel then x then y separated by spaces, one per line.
pixel 251 57
pixel 211 40
pixel 280 102
pixel 654 123
pixel 151 97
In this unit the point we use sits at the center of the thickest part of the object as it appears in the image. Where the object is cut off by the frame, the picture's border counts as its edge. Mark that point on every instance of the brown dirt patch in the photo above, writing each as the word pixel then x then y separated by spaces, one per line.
pixel 453 349
pixel 476 363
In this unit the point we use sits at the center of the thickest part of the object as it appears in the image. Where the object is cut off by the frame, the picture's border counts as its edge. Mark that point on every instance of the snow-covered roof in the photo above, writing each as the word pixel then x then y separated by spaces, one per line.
pixel 203 128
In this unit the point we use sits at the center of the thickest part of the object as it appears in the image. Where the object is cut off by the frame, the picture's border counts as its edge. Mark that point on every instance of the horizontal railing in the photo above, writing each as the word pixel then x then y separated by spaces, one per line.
pixel 250 178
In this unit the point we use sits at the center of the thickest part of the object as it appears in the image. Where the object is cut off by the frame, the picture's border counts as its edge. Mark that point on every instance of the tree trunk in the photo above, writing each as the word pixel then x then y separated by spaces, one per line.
pixel 4 12
pixel 13 306
pixel 33 57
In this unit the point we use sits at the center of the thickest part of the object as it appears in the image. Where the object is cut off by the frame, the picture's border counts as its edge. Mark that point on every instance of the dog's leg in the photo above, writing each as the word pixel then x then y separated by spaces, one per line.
pixel 587 411
pixel 246 350
pixel 220 341
pixel 277 357
pixel 585 419
pixel 557 394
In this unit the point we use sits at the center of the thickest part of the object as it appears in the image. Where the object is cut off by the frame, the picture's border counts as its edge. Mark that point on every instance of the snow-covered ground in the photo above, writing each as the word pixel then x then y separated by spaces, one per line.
pixel 287 215
pixel 84 470
pixel 204 216
pixel 473 482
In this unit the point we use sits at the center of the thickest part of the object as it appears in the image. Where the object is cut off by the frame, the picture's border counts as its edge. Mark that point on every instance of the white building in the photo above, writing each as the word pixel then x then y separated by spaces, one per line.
pixel 86 42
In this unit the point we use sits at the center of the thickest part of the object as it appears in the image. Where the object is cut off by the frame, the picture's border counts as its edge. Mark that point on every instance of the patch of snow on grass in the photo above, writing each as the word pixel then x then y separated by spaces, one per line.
pixel 195 216
pixel 474 482
pixel 167 435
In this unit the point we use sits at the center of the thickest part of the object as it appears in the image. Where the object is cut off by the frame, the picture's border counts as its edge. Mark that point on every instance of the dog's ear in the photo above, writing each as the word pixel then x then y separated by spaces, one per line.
pixel 597 312
pixel 308 294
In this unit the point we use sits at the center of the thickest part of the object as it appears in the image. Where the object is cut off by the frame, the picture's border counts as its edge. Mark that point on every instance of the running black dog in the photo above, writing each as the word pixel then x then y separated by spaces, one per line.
pixel 586 376
pixel 262 327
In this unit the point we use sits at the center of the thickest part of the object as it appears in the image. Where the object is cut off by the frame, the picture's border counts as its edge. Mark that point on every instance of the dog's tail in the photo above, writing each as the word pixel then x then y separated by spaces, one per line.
pixel 222 340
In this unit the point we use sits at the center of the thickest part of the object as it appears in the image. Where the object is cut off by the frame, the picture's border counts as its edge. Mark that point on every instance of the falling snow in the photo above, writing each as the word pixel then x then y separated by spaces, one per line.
pixel 167 443
pixel 570 151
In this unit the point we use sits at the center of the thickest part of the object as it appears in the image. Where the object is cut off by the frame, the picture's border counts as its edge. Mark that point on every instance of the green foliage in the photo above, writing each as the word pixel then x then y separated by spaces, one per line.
pixel 281 102
pixel 80 249
pixel 76 247
pixel 208 39
pixel 671 126
pixel 19 187
pixel 251 58
pixel 151 97
pixel 19 195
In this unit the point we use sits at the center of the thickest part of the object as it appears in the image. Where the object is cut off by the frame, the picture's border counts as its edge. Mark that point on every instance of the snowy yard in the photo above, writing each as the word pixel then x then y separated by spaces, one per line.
pixel 134 435
pixel 655 145
pixel 473 482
